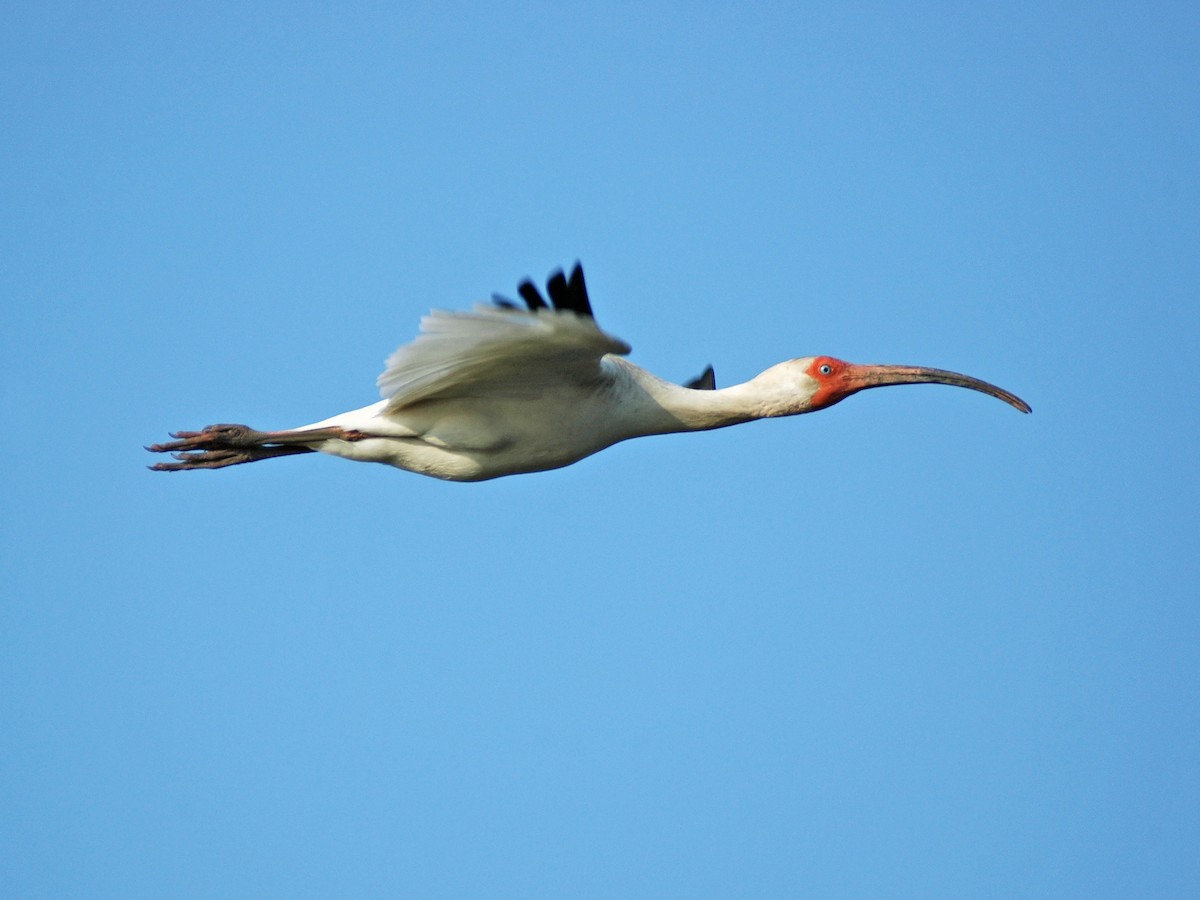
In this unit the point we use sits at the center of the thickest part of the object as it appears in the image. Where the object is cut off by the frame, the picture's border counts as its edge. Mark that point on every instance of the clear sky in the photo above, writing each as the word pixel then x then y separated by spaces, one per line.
pixel 915 645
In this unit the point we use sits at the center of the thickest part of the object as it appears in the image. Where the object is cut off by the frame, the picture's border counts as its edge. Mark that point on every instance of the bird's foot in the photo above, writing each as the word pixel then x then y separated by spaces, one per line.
pixel 218 446
pixel 213 437
pixel 205 459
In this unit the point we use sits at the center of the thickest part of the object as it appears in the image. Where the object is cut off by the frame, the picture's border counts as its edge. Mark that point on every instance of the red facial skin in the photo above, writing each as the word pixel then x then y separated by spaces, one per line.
pixel 833 385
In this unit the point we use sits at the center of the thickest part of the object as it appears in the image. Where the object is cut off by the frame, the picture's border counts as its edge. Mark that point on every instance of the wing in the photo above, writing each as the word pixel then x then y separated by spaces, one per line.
pixel 705 381
pixel 502 351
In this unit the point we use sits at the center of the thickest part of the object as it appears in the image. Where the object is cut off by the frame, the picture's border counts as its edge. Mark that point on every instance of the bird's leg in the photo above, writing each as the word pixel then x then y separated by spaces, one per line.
pixel 218 446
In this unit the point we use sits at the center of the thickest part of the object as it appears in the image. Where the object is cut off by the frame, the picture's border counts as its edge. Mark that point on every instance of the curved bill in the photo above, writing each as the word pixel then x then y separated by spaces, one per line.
pixel 862 377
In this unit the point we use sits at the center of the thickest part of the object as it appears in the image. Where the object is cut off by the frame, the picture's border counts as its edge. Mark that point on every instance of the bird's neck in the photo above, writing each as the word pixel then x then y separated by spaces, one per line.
pixel 660 407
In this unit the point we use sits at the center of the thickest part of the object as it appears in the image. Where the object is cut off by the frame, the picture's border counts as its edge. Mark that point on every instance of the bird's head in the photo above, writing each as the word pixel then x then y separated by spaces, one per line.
pixel 821 381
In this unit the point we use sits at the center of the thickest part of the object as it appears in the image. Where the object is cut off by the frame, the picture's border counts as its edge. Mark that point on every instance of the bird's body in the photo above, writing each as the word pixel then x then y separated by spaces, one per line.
pixel 474 438
pixel 501 391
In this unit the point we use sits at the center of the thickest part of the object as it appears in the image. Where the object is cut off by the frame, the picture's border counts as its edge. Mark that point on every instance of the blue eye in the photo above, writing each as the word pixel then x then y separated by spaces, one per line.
pixel 826 369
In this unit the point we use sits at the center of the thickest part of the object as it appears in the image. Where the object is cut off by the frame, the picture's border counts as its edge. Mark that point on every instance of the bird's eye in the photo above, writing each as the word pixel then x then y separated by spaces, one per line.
pixel 826 369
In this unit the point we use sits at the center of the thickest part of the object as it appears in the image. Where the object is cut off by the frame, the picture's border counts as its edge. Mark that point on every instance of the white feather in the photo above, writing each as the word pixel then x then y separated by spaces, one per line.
pixel 493 352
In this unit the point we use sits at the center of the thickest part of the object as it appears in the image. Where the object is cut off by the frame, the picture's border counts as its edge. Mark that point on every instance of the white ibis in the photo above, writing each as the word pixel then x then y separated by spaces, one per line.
pixel 501 390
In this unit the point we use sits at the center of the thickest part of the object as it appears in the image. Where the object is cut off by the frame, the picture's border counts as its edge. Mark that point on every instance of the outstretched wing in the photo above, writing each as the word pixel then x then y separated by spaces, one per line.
pixel 502 351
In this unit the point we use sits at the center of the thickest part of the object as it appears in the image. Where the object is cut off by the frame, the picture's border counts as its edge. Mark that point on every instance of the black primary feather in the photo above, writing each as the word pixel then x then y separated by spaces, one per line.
pixel 705 381
pixel 565 294
pixel 569 295
pixel 529 293
pixel 577 292
pixel 556 287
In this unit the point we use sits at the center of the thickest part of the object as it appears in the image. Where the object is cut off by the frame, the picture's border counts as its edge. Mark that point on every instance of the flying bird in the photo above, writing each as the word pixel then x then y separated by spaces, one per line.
pixel 502 390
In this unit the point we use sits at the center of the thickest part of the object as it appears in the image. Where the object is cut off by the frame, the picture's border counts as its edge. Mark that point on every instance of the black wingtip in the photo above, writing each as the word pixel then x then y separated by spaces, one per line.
pixel 577 289
pixel 705 381
pixel 556 288
pixel 530 294
pixel 569 294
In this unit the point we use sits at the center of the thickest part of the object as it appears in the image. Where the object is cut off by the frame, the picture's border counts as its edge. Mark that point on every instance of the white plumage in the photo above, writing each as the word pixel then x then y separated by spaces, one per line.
pixel 495 352
pixel 500 390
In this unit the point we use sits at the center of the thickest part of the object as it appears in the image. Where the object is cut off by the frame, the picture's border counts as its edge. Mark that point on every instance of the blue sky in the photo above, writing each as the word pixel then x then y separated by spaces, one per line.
pixel 914 645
